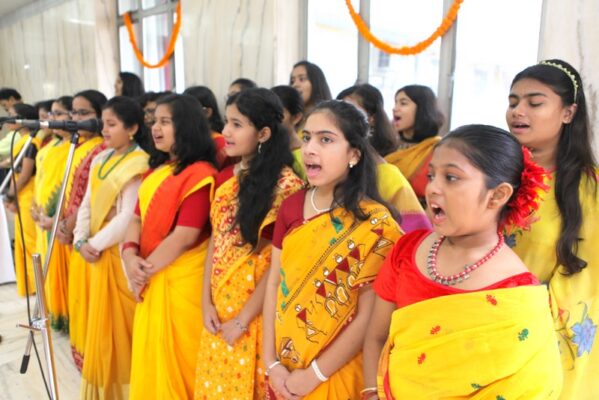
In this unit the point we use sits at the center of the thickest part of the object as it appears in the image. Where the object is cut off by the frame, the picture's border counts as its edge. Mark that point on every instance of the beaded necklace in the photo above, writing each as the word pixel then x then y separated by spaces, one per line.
pixel 129 150
pixel 431 263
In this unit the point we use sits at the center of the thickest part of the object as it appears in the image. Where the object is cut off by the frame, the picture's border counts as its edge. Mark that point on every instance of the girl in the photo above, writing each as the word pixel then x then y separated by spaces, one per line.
pixel 165 248
pixel 309 80
pixel 328 245
pixel 547 113
pixel 417 118
pixel 25 176
pixel 392 185
pixel 102 219
pixel 128 84
pixel 242 215
pixel 240 84
pixel 450 332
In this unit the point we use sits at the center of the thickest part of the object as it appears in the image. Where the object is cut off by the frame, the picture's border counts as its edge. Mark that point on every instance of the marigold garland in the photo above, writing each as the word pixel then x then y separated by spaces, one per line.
pixel 171 45
pixel 405 50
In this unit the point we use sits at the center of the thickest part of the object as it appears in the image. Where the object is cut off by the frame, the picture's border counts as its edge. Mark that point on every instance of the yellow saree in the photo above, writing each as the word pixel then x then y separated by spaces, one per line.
pixel 495 344
pixel 166 328
pixel 57 276
pixel 323 264
pixel 107 364
pixel 25 197
pixel 225 372
pixel 574 299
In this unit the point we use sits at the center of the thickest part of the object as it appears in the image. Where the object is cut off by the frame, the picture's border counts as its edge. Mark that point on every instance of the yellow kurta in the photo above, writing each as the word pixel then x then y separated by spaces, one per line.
pixel 324 262
pixel 166 329
pixel 57 276
pixel 107 364
pixel 25 197
pixel 237 372
pixel 574 299
pixel 494 344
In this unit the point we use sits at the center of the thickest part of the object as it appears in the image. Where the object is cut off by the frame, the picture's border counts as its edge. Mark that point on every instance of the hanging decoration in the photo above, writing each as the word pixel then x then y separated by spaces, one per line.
pixel 405 50
pixel 171 45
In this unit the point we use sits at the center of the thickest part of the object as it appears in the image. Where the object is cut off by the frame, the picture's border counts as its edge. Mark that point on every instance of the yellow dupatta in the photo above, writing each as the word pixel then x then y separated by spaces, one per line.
pixel 25 196
pixel 236 270
pixel 493 344
pixel 166 327
pixel 395 189
pixel 107 364
pixel 324 262
pixel 574 299
pixel 410 160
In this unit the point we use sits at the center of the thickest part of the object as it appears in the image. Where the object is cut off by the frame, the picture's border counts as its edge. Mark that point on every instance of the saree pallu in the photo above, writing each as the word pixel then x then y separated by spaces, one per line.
pixel 225 372
pixel 166 328
pixel 493 344
pixel 324 263
pixel 107 363
pixel 413 163
pixel 395 189
pixel 57 285
pixel 575 298
pixel 25 197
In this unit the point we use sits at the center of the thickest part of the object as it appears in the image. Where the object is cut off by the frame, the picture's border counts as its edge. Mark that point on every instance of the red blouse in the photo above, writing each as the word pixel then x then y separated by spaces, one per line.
pixel 401 282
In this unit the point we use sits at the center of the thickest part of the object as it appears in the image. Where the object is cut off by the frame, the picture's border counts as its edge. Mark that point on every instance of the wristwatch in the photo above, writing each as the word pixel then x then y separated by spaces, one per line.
pixel 79 243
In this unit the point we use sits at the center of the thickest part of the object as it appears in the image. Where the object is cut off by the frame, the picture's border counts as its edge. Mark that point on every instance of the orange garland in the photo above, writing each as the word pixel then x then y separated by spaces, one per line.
pixel 406 50
pixel 171 44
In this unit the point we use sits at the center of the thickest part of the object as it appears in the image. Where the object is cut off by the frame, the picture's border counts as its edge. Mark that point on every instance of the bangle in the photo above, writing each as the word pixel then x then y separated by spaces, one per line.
pixel 321 377
pixel 238 323
pixel 79 243
pixel 368 389
pixel 271 366
pixel 130 245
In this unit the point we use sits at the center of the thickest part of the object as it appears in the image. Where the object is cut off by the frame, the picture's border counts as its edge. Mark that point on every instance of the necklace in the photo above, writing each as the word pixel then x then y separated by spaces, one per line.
pixel 318 210
pixel 431 263
pixel 129 150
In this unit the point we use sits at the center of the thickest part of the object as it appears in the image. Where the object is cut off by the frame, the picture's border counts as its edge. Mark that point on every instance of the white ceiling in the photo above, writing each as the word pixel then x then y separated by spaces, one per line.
pixel 8 6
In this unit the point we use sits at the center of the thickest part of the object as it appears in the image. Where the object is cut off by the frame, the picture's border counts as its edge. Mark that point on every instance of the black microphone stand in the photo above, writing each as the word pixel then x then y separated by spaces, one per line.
pixel 37 312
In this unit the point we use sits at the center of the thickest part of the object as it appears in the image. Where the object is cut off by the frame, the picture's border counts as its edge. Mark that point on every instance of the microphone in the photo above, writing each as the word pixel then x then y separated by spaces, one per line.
pixel 92 125
pixel 7 119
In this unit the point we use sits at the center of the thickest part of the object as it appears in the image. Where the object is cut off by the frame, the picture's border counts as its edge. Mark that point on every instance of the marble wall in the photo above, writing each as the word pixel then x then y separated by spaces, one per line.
pixel 570 32
pixel 48 49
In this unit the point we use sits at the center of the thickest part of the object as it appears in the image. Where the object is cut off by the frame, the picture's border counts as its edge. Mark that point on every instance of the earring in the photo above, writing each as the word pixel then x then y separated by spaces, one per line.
pixel 351 165
pixel 260 148
pixel 130 137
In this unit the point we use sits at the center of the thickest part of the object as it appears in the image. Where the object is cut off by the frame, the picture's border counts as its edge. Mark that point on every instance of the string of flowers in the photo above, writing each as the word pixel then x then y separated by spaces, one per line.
pixel 405 50
pixel 171 45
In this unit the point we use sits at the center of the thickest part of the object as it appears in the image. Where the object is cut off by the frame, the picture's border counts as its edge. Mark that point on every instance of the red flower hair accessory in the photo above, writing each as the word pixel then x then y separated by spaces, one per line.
pixel 526 200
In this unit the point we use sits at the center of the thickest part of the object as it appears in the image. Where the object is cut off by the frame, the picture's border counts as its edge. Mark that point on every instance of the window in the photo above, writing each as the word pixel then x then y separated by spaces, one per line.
pixel 493 43
pixel 153 35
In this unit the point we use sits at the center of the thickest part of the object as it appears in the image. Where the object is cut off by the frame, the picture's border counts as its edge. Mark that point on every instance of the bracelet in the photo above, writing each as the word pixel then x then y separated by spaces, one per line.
pixel 318 372
pixel 79 243
pixel 369 389
pixel 130 245
pixel 271 366
pixel 238 323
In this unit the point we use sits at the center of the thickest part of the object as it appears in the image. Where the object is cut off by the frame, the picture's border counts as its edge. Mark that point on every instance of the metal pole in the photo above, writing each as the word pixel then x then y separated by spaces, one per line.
pixel 447 69
pixel 364 45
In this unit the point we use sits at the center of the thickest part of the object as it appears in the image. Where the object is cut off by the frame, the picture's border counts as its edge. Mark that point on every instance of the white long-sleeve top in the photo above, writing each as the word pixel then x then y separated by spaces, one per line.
pixel 113 232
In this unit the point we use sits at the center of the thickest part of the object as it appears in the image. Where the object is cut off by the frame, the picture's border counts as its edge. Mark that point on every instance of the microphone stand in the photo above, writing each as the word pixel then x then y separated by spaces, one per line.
pixel 36 312
pixel 20 157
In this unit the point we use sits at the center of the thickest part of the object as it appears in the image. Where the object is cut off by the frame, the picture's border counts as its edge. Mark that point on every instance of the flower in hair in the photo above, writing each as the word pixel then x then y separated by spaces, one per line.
pixel 526 200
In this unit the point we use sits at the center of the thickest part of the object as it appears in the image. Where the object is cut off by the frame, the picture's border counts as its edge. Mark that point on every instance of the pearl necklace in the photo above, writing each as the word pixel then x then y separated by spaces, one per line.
pixel 318 210
pixel 431 263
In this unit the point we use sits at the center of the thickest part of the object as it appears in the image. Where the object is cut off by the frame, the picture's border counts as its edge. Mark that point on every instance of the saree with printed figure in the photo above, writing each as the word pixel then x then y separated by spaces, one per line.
pixel 324 262
pixel 107 366
pixel 574 298
pixel 236 270
pixel 166 327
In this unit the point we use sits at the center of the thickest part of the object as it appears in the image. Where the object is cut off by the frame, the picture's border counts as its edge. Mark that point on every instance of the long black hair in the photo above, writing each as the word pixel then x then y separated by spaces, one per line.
pixel 383 139
pixel 480 144
pixel 256 190
pixel 361 181
pixel 429 118
pixel 95 98
pixel 320 87
pixel 193 141
pixel 132 84
pixel 129 112
pixel 574 156
pixel 207 99
pixel 25 111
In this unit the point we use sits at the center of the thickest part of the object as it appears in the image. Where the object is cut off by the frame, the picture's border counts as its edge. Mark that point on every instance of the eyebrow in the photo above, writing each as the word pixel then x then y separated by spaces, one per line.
pixel 323 132
pixel 514 96
pixel 448 166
